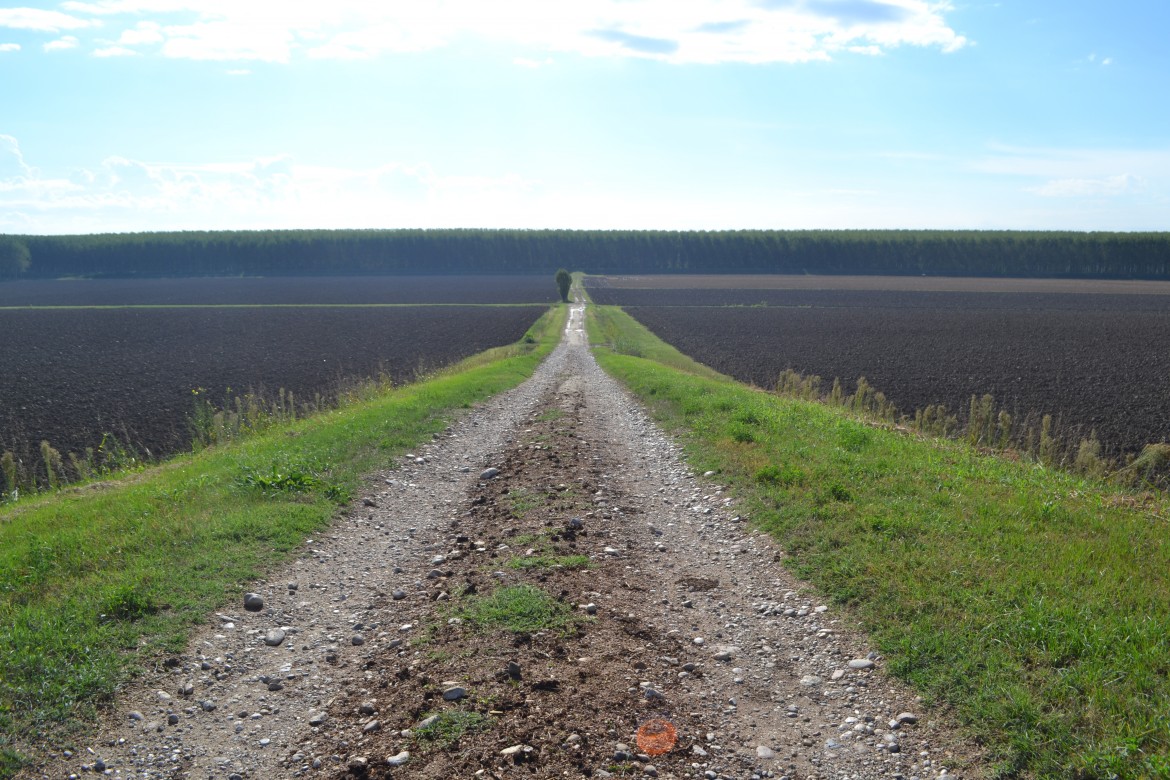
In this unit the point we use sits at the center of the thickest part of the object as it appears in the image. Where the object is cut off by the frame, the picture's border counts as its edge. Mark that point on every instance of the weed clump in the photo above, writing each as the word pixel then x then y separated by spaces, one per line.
pixel 522 609
pixel 444 729
pixel 550 562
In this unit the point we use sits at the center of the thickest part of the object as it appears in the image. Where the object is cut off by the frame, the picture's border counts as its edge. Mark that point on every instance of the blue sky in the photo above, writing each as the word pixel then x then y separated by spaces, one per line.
pixel 124 115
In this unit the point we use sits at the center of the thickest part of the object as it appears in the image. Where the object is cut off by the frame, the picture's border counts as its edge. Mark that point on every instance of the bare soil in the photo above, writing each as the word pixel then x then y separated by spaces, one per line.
pixel 680 613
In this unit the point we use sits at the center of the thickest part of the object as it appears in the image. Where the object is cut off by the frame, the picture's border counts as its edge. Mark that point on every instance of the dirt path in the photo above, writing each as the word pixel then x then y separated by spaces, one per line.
pixel 678 612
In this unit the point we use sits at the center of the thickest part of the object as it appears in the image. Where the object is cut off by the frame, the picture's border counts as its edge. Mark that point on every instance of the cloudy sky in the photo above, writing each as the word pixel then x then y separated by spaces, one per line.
pixel 121 115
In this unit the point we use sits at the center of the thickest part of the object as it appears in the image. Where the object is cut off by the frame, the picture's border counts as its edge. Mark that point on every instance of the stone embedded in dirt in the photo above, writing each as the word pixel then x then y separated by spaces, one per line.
pixel 861 663
pixel 274 638
pixel 372 726
pixel 650 770
pixel 357 639
pixel 590 608
pixel 907 718
pixel 253 602
pixel 491 473
pixel 725 655
pixel 358 765
pixel 136 715
pixel 612 551
pixel 368 708
pixel 454 692
pixel 318 718
pixel 517 752
pixel 765 752
pixel 699 641
pixel 369 502
pixel 427 721
pixel 399 759
pixel 173 719
pixel 207 705
pixel 576 524
pixel 513 670
pixel 398 595
pixel 810 680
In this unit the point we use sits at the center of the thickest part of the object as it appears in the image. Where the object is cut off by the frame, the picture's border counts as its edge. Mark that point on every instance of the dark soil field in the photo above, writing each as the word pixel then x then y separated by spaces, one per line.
pixel 279 290
pixel 1093 360
pixel 70 375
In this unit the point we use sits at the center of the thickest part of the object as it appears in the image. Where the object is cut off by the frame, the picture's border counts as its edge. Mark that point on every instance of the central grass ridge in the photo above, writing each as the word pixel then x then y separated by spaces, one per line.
pixel 522 609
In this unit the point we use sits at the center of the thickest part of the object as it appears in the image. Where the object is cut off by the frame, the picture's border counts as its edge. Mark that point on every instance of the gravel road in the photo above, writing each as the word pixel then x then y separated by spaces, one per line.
pixel 360 658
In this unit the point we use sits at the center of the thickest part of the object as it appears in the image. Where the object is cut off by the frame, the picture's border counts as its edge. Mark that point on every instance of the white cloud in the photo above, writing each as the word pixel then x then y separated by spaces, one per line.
pixel 39 20
pixel 64 43
pixel 1073 163
pixel 6 47
pixel 126 194
pixel 144 33
pixel 1111 186
pixel 13 168
pixel 677 31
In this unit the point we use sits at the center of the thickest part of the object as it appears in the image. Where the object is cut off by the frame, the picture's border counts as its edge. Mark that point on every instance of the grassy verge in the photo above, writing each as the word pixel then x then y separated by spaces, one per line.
pixel 99 580
pixel 1034 603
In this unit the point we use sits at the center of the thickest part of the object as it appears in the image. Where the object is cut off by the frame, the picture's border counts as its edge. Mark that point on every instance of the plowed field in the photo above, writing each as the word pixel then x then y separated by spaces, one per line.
pixel 70 375
pixel 1094 360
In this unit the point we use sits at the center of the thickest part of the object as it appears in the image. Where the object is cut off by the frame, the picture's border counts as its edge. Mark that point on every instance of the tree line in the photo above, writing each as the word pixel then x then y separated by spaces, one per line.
pixel 332 252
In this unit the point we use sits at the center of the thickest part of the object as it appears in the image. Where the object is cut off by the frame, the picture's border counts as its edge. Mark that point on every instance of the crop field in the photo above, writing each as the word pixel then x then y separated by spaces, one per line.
pixel 335 290
pixel 1091 354
pixel 70 375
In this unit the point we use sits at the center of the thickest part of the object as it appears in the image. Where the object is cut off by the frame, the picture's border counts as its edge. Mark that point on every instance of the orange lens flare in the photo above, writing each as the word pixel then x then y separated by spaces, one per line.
pixel 656 737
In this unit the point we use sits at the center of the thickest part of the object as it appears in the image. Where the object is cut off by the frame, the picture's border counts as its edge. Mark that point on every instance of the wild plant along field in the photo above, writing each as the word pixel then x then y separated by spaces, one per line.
pixel 1093 361
pixel 101 374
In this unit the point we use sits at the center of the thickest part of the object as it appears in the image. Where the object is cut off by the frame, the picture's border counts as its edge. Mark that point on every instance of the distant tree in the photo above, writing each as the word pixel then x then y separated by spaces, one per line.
pixel 564 282
pixel 14 257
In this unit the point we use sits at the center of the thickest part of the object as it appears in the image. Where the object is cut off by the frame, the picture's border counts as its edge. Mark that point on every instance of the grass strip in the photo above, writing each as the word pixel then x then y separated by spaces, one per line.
pixel 444 729
pixel 1033 602
pixel 523 609
pixel 100 580
pixel 575 562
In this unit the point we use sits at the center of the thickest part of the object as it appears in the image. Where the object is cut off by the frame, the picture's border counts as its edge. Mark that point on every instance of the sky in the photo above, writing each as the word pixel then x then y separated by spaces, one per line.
pixel 133 115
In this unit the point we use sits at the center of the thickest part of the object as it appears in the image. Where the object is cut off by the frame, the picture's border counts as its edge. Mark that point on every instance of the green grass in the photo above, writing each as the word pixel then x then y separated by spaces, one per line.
pixel 1034 603
pixel 100 580
pixel 521 501
pixel 550 562
pixel 449 726
pixel 523 609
